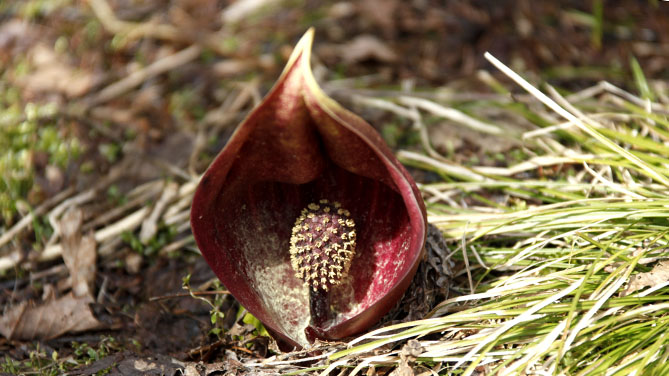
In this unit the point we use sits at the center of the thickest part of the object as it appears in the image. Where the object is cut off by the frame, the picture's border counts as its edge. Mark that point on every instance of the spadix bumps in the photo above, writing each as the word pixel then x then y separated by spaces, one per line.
pixel 322 244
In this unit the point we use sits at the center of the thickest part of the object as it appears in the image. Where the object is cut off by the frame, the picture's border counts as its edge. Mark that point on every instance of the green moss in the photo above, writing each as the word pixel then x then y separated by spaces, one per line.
pixel 25 135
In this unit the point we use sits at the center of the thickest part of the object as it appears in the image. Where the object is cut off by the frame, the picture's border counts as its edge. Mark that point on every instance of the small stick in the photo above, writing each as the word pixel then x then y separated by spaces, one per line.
pixel 137 30
pixel 163 65
pixel 188 294
pixel 26 221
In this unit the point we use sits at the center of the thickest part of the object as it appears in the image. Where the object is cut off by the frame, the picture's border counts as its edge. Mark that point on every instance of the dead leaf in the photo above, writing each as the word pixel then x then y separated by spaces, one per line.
pixel 54 177
pixel 412 349
pixel 48 292
pixel 16 36
pixel 52 74
pixel 78 253
pixel 49 320
pixel 403 368
pixel 362 47
pixel 659 275
pixel 133 262
pixel 408 354
pixel 381 13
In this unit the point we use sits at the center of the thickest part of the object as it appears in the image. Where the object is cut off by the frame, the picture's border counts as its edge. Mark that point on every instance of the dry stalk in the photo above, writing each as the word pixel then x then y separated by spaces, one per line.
pixel 137 30
pixel 136 78
pixel 25 222
pixel 108 237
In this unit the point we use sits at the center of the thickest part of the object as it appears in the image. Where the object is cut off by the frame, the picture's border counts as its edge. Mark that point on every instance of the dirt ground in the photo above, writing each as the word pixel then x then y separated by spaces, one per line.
pixel 150 90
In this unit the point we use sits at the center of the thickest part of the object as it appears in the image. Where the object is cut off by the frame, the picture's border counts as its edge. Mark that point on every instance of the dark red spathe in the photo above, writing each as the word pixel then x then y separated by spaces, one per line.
pixel 297 147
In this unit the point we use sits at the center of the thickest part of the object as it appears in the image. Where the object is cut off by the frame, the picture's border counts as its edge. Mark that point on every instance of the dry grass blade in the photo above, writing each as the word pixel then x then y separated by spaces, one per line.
pixel 452 114
pixel 136 78
pixel 582 125
pixel 553 272
pixel 170 206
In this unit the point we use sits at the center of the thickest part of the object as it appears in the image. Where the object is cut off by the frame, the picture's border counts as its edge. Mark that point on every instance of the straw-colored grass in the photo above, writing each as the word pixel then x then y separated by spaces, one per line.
pixel 566 269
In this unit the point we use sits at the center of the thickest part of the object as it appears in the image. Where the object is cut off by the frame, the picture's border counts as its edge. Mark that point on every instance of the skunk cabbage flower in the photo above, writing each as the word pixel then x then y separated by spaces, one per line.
pixel 306 216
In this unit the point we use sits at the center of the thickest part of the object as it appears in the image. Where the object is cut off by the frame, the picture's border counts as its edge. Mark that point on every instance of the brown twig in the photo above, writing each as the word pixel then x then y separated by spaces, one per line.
pixel 136 30
pixel 26 222
pixel 137 198
pixel 188 294
pixel 82 198
pixel 219 119
pixel 61 201
pixel 135 79
pixel 132 30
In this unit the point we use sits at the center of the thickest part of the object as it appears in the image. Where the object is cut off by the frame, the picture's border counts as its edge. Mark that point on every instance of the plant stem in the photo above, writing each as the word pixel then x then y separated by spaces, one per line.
pixel 320 306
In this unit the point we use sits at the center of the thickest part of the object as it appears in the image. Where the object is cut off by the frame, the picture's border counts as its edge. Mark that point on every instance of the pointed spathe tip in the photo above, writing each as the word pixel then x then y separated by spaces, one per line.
pixel 303 46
